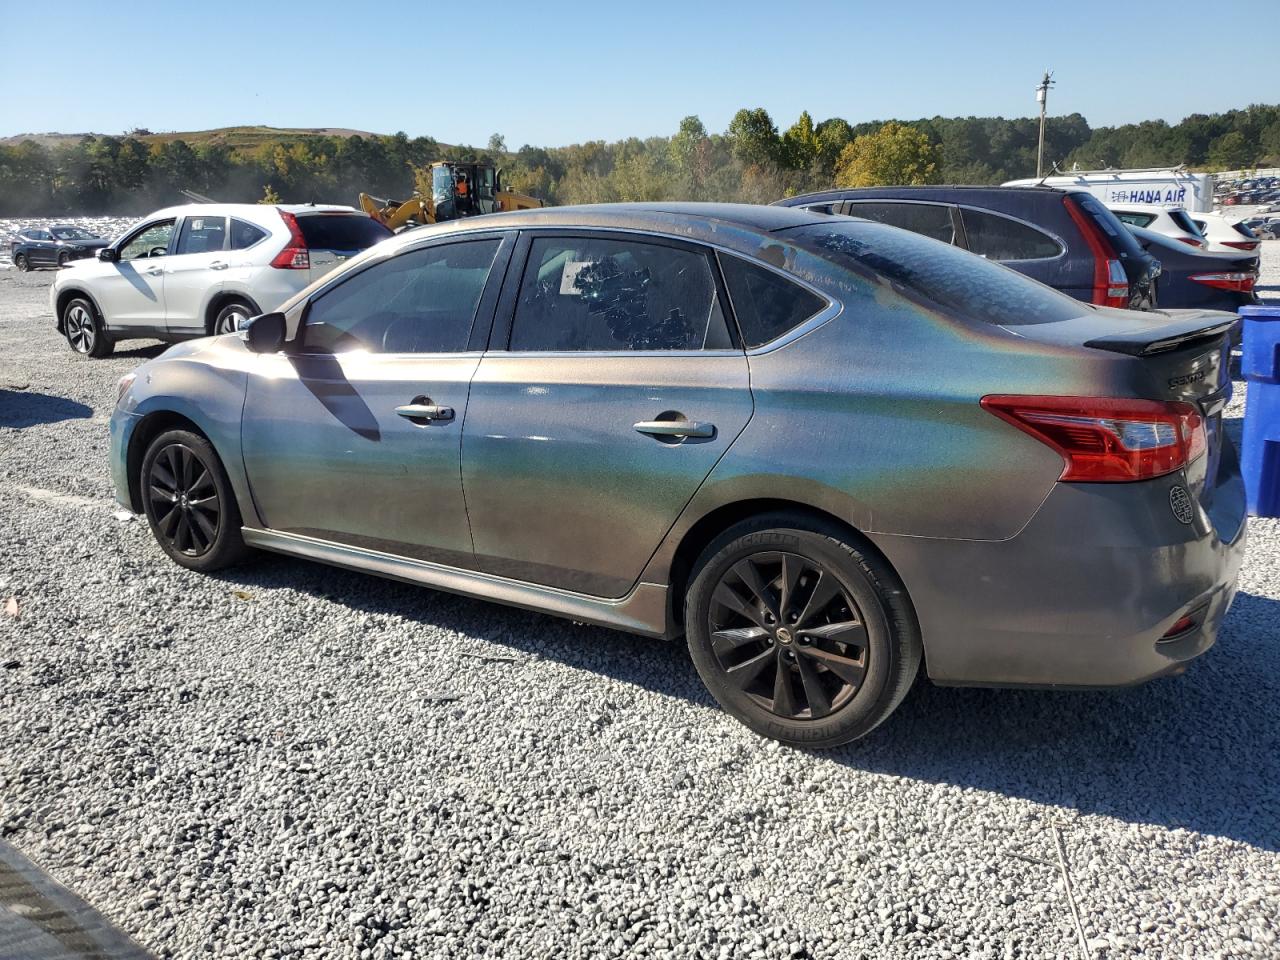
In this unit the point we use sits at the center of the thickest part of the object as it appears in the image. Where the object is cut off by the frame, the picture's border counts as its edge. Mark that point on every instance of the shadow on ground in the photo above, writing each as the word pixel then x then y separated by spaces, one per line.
pixel 1207 744
pixel 21 409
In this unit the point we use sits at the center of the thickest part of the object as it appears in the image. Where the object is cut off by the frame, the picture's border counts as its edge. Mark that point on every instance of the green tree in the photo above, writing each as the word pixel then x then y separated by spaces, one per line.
pixel 800 144
pixel 754 137
pixel 1231 151
pixel 497 144
pixel 895 154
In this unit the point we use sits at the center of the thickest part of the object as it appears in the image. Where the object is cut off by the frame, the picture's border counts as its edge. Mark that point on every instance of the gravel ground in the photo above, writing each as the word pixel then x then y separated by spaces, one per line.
pixel 292 760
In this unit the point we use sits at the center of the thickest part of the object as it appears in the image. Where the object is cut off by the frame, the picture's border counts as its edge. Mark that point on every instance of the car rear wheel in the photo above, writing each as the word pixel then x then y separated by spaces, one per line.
pixel 21 262
pixel 799 633
pixel 189 502
pixel 231 317
pixel 83 330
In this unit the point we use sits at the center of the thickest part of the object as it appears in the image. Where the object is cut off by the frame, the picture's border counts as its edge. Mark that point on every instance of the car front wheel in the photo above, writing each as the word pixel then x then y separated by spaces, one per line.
pixel 64 258
pixel 800 633
pixel 84 331
pixel 22 263
pixel 189 502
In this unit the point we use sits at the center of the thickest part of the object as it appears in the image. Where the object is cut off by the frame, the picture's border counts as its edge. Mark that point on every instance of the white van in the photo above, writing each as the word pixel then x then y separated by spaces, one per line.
pixel 1158 187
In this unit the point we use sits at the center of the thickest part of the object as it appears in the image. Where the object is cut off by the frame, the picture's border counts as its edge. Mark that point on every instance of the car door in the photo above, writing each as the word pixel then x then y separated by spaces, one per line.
pixel 43 250
pixel 611 389
pixel 193 270
pixel 130 291
pixel 354 434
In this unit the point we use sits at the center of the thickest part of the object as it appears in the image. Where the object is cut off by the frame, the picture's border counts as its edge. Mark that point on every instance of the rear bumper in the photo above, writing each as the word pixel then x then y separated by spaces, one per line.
pixel 1084 594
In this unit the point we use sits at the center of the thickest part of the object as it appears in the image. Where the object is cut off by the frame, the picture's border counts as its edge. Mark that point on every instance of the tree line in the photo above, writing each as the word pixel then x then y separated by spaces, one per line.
pixel 752 161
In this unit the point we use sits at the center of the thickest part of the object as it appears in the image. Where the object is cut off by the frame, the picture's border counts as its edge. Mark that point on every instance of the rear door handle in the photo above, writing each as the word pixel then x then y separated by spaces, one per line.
pixel 154 273
pixel 217 265
pixel 676 428
pixel 427 412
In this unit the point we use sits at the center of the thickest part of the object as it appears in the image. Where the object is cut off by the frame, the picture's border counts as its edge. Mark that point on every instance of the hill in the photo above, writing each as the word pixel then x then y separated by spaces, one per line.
pixel 235 137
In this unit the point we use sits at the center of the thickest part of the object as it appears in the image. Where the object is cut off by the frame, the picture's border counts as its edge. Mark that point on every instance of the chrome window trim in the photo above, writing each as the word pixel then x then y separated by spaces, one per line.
pixel 832 310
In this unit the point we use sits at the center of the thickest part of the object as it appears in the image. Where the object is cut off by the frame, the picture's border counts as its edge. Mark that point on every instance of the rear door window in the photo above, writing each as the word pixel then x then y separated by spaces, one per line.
pixel 590 294
pixel 927 219
pixel 202 234
pixel 1002 238
pixel 766 303
pixel 341 233
pixel 244 234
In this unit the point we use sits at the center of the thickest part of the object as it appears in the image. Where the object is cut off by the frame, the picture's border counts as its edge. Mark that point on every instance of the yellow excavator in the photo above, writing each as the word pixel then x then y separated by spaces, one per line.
pixel 457 190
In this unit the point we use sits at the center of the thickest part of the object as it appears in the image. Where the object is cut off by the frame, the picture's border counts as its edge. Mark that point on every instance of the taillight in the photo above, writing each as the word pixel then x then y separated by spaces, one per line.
pixel 1110 283
pixel 1235 282
pixel 1108 440
pixel 1192 242
pixel 1241 244
pixel 295 255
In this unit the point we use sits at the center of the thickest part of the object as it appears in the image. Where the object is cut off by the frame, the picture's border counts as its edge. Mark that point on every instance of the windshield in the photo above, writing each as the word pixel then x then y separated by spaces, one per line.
pixel 72 233
pixel 937 273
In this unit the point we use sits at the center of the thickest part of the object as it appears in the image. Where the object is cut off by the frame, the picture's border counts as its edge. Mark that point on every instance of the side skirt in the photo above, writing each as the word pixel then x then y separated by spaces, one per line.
pixel 643 610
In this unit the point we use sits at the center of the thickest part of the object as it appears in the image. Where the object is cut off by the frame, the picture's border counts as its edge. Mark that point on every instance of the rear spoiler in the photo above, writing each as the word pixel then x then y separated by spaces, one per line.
pixel 1171 336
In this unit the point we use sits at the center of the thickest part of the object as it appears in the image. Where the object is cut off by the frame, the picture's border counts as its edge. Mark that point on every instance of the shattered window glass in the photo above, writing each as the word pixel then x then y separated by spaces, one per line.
pixel 590 294
pixel 940 275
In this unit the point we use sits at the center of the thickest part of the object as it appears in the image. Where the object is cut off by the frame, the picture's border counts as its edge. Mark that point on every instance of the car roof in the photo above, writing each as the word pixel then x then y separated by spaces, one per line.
pixel 731 224
pixel 250 211
pixel 968 192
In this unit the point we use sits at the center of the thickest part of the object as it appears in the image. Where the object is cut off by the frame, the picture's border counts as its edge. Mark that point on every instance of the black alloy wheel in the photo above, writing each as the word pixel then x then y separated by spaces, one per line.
pixel 183 500
pixel 22 263
pixel 789 634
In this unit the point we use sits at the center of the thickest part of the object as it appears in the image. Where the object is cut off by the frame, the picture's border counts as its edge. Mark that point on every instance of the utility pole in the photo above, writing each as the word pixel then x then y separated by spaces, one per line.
pixel 1042 97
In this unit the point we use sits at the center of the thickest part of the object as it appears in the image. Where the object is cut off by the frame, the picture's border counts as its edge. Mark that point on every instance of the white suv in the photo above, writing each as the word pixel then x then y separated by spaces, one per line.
pixel 1171 221
pixel 202 269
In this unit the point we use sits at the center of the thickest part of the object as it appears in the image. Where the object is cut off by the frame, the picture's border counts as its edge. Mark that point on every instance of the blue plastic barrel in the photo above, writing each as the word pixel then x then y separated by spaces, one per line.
pixel 1260 458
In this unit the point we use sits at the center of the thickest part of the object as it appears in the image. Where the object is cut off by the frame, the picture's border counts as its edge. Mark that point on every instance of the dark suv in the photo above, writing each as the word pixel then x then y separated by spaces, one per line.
pixel 53 246
pixel 1064 238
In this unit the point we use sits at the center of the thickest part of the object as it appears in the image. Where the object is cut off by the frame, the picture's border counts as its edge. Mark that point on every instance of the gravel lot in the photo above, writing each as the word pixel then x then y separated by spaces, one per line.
pixel 291 760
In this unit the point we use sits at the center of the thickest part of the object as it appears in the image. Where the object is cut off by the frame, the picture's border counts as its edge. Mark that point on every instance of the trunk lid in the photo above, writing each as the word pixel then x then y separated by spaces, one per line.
pixel 1185 356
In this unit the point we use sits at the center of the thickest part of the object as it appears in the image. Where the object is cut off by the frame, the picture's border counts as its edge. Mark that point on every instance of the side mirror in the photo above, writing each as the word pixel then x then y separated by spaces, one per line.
pixel 265 333
pixel 109 254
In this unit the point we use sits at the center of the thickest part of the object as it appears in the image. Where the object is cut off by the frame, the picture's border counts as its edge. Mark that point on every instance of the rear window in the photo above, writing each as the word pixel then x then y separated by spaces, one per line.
pixel 1000 238
pixel 937 274
pixel 766 304
pixel 1136 219
pixel 1125 243
pixel 341 232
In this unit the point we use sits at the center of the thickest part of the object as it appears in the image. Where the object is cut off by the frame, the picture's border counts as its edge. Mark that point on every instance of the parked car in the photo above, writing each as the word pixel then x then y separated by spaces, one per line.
pixel 1065 238
pixel 1197 278
pixel 1172 222
pixel 1224 235
pixel 820 448
pixel 200 269
pixel 54 246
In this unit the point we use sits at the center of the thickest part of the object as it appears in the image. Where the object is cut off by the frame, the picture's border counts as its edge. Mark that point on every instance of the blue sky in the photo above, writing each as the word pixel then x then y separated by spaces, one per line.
pixel 551 73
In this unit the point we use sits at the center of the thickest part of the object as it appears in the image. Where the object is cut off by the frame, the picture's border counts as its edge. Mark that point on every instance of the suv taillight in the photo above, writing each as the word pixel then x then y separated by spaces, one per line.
pixel 1108 440
pixel 295 255
pixel 1241 244
pixel 1110 282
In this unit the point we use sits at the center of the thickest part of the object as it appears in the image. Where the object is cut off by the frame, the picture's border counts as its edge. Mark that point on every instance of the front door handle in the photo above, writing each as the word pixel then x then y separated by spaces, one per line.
pixel 217 265
pixel 154 273
pixel 426 412
pixel 676 428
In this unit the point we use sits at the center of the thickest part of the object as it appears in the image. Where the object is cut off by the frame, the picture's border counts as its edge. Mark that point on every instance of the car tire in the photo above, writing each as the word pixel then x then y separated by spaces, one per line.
pixel 63 258
pixel 820 666
pixel 83 329
pixel 189 502
pixel 21 263
pixel 231 317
